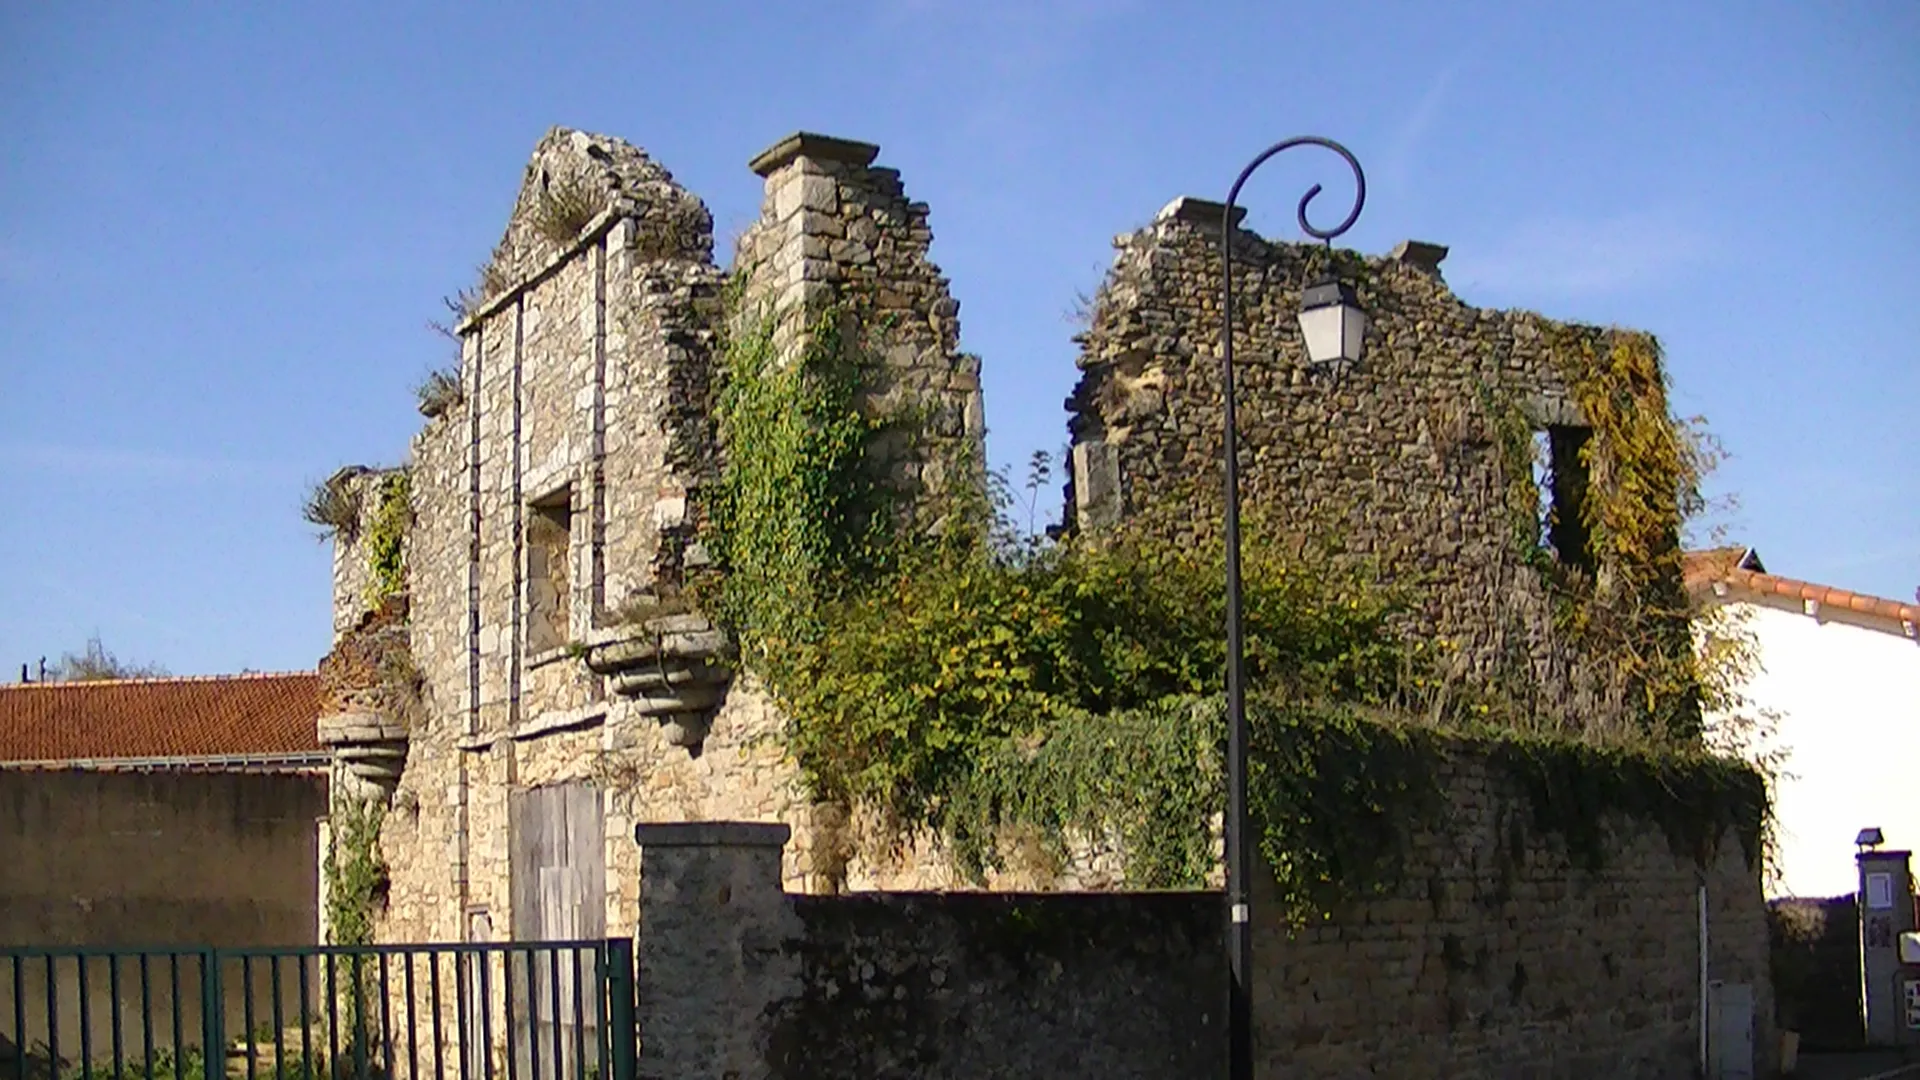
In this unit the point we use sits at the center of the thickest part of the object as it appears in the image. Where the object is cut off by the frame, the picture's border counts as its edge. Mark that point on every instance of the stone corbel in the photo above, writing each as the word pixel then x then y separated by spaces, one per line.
pixel 672 667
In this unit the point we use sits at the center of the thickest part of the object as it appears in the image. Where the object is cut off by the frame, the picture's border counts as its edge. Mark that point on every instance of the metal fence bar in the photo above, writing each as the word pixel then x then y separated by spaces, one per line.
pixel 86 1020
pixel 506 993
pixel 333 1020
pixel 306 1018
pixel 553 1030
pixel 601 972
pixel 213 1009
pixel 179 1032
pixel 53 1015
pixel 20 1018
pixel 460 1011
pixel 246 998
pixel 358 997
pixel 413 1027
pixel 113 994
pixel 279 1023
pixel 386 1016
pixel 553 992
pixel 439 1053
pixel 146 1013
pixel 580 1019
pixel 486 1022
pixel 621 1008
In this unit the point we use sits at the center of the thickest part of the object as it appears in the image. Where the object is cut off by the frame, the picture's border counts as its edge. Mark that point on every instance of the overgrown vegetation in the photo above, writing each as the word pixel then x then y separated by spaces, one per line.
pixel 334 505
pixel 565 204
pixel 356 875
pixel 386 538
pixel 798 516
pixel 1629 613
pixel 439 391
pixel 989 687
pixel 188 1065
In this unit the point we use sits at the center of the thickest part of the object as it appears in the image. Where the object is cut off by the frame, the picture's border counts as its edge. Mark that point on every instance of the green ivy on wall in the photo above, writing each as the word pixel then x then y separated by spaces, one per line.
pixel 798 514
pixel 1632 618
pixel 982 691
pixel 356 876
pixel 386 536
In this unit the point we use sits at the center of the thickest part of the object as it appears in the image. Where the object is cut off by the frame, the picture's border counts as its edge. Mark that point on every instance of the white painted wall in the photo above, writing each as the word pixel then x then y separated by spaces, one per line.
pixel 1848 699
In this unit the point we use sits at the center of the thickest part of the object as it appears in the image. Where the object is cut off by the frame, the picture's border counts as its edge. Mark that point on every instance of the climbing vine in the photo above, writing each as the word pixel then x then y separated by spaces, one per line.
pixel 356 875
pixel 1645 482
pixel 386 537
pixel 1628 615
pixel 986 688
pixel 798 514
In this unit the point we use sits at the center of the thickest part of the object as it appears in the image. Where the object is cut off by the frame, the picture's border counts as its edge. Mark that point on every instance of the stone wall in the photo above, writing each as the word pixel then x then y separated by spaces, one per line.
pixel 126 858
pixel 1816 970
pixel 1495 957
pixel 1394 461
pixel 836 229
pixel 556 511
pixel 153 859
pixel 1498 955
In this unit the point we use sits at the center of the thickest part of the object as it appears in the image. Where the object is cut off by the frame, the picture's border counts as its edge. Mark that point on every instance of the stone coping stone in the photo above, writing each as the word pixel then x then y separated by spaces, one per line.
pixel 1419 253
pixel 712 833
pixel 359 727
pixel 808 144
pixel 1199 211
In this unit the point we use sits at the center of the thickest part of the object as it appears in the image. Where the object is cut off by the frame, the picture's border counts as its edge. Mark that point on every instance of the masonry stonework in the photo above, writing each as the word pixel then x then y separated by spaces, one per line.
pixel 1393 461
pixel 554 522
pixel 1495 956
pixel 545 671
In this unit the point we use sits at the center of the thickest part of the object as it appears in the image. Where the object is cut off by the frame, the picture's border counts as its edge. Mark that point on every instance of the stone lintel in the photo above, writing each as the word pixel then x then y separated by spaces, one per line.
pixel 819 147
pixel 1553 410
pixel 773 834
pixel 1419 254
pixel 1199 212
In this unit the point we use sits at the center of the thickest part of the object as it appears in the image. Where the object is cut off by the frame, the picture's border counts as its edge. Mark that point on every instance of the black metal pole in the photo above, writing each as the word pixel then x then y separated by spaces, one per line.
pixel 1238 824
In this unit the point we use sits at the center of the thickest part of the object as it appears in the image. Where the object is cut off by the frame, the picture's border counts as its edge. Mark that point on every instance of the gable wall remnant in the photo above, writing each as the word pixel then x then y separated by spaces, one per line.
pixel 569 471
pixel 1395 461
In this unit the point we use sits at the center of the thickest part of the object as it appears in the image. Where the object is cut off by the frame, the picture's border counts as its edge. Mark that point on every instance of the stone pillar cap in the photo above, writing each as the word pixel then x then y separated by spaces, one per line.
pixel 1199 211
pixel 1420 254
pixel 808 144
pixel 712 833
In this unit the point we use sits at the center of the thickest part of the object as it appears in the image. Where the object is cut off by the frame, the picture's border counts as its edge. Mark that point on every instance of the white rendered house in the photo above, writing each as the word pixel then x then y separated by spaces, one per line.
pixel 1840 674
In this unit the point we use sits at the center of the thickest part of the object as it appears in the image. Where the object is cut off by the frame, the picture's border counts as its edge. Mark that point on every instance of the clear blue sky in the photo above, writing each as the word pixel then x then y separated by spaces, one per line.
pixel 224 228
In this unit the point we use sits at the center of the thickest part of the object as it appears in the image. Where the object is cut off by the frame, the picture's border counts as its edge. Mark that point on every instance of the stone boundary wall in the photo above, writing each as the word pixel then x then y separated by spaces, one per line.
pixel 1816 970
pixel 1496 957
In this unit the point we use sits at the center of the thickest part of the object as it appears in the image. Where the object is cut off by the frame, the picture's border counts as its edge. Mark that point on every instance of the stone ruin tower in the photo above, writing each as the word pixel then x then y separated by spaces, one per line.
pixel 539 682
pixel 1413 460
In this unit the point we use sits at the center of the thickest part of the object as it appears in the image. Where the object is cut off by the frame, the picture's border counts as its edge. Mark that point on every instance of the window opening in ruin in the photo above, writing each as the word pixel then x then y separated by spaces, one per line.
pixel 1560 476
pixel 549 587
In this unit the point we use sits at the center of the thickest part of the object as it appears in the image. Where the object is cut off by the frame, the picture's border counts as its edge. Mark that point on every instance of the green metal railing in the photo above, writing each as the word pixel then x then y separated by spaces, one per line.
pixel 551 1010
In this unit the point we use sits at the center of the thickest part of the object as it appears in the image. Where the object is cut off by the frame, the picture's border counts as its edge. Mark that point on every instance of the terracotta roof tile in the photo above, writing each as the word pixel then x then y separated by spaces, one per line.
pixel 216 716
pixel 1740 568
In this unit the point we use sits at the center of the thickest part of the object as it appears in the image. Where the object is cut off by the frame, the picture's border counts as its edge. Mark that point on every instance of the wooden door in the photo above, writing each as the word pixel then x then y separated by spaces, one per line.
pixel 557 863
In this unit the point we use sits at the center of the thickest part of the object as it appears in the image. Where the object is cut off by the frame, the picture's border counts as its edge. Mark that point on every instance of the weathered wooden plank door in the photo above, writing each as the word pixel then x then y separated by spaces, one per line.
pixel 558 872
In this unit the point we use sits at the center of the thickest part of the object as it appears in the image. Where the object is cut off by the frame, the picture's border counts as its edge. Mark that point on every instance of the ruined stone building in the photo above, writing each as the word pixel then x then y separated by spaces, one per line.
pixel 1455 458
pixel 550 519
pixel 517 679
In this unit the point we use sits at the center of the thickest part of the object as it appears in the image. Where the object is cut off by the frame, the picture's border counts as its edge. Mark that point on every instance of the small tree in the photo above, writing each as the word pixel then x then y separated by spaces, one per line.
pixel 95 663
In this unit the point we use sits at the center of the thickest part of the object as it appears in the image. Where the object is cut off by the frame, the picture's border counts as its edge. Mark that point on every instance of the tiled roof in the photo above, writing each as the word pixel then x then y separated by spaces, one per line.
pixel 215 717
pixel 1740 568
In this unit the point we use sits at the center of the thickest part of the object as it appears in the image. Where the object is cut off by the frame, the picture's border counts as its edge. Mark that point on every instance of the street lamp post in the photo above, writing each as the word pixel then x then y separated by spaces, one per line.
pixel 1333 327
